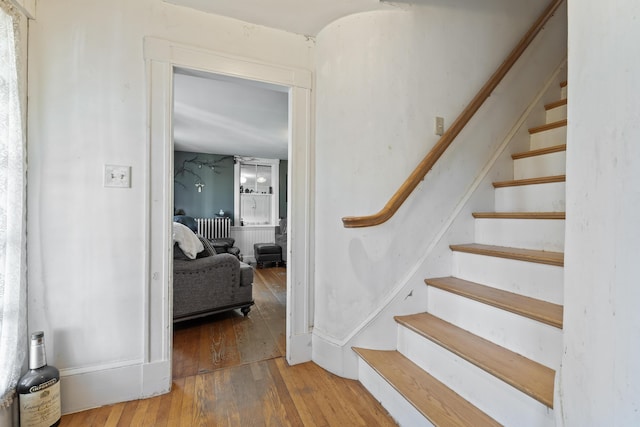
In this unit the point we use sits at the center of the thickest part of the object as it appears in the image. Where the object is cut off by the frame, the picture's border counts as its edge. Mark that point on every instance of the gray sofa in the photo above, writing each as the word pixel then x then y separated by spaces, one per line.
pixel 211 283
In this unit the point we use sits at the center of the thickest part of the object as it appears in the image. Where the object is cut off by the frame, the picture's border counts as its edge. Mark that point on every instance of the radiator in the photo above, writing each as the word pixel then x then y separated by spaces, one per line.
pixel 214 228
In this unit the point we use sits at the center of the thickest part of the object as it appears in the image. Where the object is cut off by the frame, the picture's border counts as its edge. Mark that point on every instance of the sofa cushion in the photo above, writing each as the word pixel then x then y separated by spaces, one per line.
pixel 220 246
pixel 188 221
pixel 208 248
pixel 227 241
pixel 178 254
pixel 186 240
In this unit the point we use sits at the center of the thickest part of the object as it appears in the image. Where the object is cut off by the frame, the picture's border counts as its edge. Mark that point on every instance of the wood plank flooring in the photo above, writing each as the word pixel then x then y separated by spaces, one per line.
pixel 229 370
pixel 230 339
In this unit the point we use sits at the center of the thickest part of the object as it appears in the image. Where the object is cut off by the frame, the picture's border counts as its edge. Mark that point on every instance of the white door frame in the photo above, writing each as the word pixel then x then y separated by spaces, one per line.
pixel 161 56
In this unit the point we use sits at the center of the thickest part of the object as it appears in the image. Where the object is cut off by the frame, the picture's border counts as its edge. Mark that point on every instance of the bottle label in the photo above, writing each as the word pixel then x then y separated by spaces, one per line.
pixel 41 407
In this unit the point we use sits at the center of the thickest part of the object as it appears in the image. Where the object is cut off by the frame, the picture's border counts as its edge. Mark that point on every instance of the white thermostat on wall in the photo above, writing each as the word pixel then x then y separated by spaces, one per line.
pixel 117 176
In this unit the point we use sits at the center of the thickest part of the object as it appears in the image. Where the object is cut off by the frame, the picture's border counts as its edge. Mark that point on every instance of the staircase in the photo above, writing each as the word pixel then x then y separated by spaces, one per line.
pixel 486 351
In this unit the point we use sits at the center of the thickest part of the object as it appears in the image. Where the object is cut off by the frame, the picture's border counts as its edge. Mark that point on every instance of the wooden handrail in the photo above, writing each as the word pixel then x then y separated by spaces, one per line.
pixel 447 138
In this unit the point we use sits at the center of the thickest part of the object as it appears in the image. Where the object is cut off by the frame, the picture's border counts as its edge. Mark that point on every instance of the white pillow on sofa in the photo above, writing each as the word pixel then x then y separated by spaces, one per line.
pixel 186 240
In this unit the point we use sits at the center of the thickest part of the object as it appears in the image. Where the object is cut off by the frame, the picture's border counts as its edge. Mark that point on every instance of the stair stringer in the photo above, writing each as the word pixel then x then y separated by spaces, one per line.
pixel 409 295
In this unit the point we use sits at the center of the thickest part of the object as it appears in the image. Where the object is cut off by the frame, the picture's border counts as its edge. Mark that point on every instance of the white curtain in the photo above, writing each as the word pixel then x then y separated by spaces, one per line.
pixel 13 290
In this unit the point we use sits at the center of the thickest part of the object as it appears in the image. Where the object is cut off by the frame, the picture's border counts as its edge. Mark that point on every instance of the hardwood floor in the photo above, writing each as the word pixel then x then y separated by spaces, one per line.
pixel 229 370
pixel 230 339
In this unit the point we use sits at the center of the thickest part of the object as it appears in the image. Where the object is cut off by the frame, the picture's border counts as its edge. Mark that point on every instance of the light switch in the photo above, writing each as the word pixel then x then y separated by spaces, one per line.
pixel 117 176
pixel 439 126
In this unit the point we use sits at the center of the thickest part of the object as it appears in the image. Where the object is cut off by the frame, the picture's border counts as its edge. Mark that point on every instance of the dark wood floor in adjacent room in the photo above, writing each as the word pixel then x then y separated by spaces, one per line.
pixel 229 370
pixel 230 339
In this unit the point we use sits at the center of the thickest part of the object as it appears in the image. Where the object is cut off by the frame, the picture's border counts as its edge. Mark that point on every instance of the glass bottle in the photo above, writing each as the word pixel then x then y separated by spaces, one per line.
pixel 39 389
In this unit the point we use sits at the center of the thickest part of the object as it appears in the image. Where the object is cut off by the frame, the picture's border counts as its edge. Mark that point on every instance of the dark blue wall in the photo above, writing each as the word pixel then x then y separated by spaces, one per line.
pixel 218 185
pixel 218 190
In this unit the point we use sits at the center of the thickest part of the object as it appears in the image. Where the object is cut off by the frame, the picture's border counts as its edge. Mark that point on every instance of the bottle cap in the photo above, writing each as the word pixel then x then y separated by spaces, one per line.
pixel 37 356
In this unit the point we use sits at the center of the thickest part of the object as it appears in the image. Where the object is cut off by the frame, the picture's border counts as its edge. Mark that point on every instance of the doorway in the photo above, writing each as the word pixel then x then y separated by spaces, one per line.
pixel 230 143
pixel 162 58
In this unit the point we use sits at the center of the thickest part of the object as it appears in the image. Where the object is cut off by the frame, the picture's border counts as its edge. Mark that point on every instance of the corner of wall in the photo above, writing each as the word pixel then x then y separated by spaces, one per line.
pixel 27 7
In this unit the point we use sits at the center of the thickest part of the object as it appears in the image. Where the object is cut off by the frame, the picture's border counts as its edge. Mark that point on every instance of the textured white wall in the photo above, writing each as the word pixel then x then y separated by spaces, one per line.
pixel 600 379
pixel 88 107
pixel 381 78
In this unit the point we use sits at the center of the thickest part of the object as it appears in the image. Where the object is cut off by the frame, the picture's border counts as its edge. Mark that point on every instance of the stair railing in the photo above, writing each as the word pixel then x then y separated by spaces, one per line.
pixel 447 138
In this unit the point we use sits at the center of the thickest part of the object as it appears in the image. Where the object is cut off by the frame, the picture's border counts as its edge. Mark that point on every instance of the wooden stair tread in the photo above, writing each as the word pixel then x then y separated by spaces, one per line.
pixel 548 126
pixel 563 83
pixel 552 105
pixel 437 402
pixel 540 152
pixel 530 181
pixel 519 215
pixel 526 375
pixel 541 311
pixel 529 255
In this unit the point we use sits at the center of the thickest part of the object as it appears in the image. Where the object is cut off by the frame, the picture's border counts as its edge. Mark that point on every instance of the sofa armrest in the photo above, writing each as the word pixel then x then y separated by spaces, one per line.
pixel 246 274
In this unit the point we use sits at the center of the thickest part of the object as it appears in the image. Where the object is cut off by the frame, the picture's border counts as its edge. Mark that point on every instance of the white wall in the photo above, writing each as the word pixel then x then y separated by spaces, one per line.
pixel 381 78
pixel 87 244
pixel 600 378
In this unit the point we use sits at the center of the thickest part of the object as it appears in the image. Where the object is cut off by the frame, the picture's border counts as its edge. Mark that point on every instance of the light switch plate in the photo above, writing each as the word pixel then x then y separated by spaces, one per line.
pixel 117 176
pixel 439 126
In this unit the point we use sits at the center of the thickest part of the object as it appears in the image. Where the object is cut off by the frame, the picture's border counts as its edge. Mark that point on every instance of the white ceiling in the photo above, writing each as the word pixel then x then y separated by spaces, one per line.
pixel 226 115
pixel 306 17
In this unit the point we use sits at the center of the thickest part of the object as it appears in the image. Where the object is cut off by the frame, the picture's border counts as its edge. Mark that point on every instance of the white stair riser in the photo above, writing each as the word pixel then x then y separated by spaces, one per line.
pixel 563 93
pixel 537 166
pixel 531 198
pixel 496 398
pixel 540 234
pixel 548 138
pixel 556 114
pixel 403 412
pixel 530 279
pixel 530 338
